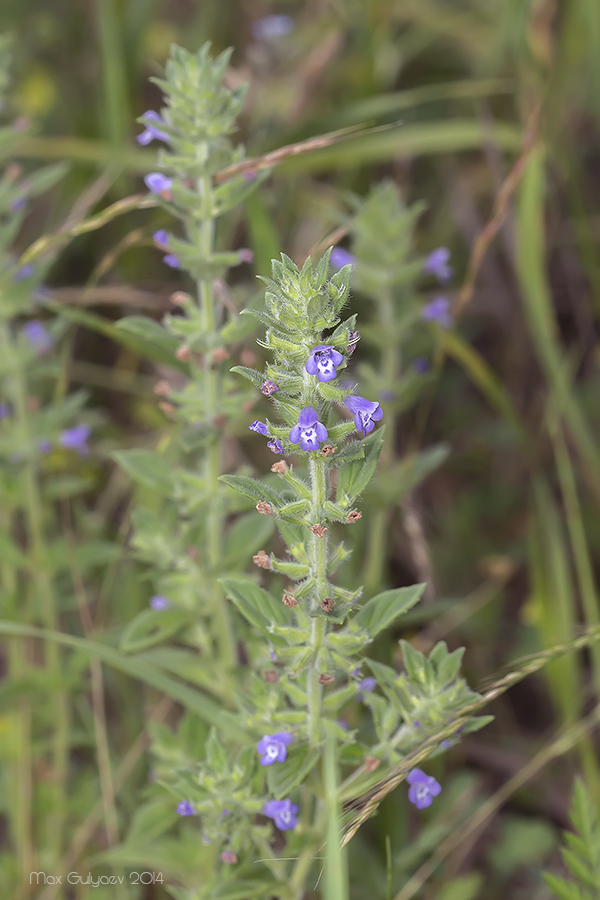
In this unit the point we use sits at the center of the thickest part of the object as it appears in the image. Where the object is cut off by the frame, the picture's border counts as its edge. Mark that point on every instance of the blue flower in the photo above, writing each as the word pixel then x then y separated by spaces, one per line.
pixel 366 686
pixel 158 183
pixel 272 27
pixel 421 365
pixel 366 412
pixel 423 788
pixel 185 809
pixel 273 747
pixel 437 264
pixel 309 431
pixel 76 439
pixel 37 335
pixel 171 261
pixel 276 446
pixel 4 410
pixel 322 362
pixel 283 812
pixel 18 203
pixel 24 272
pixel 151 132
pixel 259 427
pixel 340 258
pixel 44 446
pixel 438 311
pixel 158 602
pixel 161 237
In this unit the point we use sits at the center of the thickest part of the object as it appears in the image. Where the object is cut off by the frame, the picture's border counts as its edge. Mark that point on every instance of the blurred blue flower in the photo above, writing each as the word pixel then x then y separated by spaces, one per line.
pixel 437 264
pixel 366 686
pixel 423 788
pixel 185 809
pixel 76 439
pixel 340 258
pixel 270 28
pixel 151 132
pixel 5 410
pixel 157 182
pixel 438 311
pixel 38 337
pixel 161 237
pixel 44 446
pixel 259 427
pixel 421 365
pixel 24 272
pixel 18 203
pixel 158 602
pixel 171 261
pixel 273 747
pixel 283 812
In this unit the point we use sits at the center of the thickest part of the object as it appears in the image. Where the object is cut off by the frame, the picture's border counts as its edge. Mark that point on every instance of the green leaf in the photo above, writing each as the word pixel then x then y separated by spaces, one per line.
pixel 253 375
pixel 382 610
pixel 147 468
pixel 247 535
pixel 152 626
pixel 149 339
pixel 259 607
pixel 353 477
pixel 283 778
pixel 253 489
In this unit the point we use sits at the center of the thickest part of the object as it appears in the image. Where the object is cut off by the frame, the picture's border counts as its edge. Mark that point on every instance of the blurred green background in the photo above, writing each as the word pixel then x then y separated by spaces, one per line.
pixel 474 94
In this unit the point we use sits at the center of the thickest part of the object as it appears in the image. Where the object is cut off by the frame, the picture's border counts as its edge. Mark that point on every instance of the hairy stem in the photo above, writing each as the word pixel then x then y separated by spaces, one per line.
pixel 319 571
pixel 212 397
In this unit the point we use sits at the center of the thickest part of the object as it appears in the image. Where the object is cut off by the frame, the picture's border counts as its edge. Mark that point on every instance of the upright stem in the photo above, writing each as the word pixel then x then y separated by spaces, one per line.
pixel 212 470
pixel 44 593
pixel 319 572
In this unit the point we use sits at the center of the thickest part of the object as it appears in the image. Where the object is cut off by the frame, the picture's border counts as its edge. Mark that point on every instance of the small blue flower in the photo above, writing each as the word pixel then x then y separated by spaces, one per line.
pixel 24 272
pixel 272 655
pixel 340 258
pixel 276 446
pixel 273 747
pixel 158 183
pixel 438 311
pixel 437 264
pixel 37 335
pixel 309 431
pixel 18 203
pixel 5 410
pixel 322 362
pixel 185 809
pixel 158 602
pixel 366 686
pixel 366 412
pixel 76 439
pixel 171 261
pixel 270 28
pixel 259 427
pixel 421 365
pixel 423 788
pixel 161 237
pixel 283 812
pixel 151 132
pixel 44 446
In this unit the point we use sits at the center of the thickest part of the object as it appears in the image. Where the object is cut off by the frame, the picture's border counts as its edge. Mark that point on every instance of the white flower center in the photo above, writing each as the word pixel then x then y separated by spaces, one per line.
pixel 272 751
pixel 285 816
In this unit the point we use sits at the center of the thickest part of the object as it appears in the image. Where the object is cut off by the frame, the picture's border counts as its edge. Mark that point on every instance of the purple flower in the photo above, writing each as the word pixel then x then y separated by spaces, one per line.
pixel 343 724
pixel 283 812
pixel 38 337
pixel 309 431
pixel 157 182
pixel 185 809
pixel 356 672
pixel 437 264
pixel 246 255
pixel 340 258
pixel 171 260
pixel 24 272
pixel 269 387
pixel 421 365
pixel 423 788
pixel 18 203
pixel 161 237
pixel 438 311
pixel 270 28
pixel 276 446
pixel 4 410
pixel 272 654
pixel 260 427
pixel 76 439
pixel 365 412
pixel 273 747
pixel 158 602
pixel 151 132
pixel 322 362
pixel 44 446
pixel 366 686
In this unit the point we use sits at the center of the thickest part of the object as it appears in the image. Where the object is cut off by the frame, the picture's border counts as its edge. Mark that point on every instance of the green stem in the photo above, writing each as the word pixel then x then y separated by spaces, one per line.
pixel 212 396
pixel 43 590
pixel 319 624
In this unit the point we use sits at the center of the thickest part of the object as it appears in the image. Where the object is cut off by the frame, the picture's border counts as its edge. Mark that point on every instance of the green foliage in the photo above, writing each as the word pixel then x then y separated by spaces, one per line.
pixel 582 851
